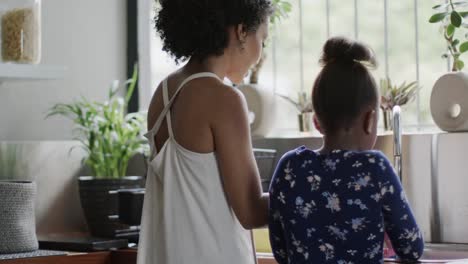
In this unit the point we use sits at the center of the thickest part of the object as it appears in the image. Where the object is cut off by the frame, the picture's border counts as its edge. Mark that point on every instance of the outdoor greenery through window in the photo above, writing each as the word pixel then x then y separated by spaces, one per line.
pixel 408 48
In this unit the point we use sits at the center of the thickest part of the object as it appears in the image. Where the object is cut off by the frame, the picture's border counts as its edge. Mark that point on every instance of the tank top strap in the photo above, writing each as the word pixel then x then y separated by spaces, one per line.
pixel 166 102
pixel 167 106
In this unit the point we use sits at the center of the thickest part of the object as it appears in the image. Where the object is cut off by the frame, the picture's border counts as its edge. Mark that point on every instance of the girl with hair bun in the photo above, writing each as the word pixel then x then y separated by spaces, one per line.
pixel 203 189
pixel 334 204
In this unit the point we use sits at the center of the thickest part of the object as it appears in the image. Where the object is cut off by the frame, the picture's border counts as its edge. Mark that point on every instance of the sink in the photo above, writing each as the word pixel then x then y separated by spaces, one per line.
pixel 433 253
pixel 444 253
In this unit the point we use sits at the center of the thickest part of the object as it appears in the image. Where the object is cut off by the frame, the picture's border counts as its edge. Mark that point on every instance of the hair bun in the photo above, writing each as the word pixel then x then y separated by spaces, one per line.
pixel 341 49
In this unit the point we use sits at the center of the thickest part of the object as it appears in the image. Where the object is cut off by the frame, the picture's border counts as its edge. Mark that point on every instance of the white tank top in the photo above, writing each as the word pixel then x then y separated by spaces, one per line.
pixel 186 216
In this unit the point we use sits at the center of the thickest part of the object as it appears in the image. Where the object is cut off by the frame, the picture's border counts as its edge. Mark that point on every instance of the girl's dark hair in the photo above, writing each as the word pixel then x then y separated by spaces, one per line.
pixel 198 28
pixel 344 87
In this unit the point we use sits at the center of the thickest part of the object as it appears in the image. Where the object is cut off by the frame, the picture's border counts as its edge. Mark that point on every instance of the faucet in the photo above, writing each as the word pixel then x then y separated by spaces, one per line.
pixel 397 141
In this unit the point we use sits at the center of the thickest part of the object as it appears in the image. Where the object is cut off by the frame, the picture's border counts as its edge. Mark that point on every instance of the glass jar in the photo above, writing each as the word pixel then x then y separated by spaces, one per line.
pixel 20 31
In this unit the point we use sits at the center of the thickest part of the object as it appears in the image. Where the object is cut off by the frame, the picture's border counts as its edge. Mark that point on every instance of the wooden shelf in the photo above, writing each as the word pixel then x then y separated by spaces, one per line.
pixel 25 72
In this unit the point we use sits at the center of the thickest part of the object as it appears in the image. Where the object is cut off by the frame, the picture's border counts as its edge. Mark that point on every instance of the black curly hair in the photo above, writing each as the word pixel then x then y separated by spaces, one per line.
pixel 198 28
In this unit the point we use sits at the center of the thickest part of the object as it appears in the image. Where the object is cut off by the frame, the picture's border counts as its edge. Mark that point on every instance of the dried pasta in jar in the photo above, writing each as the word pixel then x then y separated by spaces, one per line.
pixel 20 36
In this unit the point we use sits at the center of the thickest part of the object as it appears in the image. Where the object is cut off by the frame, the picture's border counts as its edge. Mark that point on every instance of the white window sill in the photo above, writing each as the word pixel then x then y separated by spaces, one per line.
pixel 292 133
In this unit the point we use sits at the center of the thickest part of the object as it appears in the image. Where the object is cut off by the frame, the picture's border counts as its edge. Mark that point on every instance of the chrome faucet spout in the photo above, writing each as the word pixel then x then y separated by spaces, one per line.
pixel 397 131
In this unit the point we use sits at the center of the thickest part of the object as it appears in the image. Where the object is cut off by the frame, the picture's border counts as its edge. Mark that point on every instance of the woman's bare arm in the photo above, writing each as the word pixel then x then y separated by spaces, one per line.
pixel 238 168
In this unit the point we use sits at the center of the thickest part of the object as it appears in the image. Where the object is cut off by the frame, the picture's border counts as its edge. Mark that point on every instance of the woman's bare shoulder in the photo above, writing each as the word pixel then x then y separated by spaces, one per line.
pixel 215 95
pixel 227 96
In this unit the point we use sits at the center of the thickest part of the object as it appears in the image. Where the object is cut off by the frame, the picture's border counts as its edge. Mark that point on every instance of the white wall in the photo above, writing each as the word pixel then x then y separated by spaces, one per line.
pixel 88 37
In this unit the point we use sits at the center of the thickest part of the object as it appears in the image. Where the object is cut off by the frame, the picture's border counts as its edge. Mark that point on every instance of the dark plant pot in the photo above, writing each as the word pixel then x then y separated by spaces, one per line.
pixel 388 119
pixel 17 218
pixel 99 200
pixel 131 206
pixel 306 123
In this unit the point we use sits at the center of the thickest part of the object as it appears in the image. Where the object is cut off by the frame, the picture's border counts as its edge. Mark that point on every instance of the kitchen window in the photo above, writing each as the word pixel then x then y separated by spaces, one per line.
pixel 407 46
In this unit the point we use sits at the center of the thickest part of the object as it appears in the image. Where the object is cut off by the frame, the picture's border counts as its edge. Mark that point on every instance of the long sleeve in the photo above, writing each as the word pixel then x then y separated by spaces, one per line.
pixel 400 223
pixel 277 239
pixel 276 230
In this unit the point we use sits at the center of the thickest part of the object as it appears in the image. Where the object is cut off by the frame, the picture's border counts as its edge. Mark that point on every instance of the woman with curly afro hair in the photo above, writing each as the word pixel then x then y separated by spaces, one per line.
pixel 203 189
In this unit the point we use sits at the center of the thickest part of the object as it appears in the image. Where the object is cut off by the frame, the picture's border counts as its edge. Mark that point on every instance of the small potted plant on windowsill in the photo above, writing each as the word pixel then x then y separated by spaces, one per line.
pixel 449 91
pixel 17 198
pixel 392 95
pixel 305 109
pixel 110 138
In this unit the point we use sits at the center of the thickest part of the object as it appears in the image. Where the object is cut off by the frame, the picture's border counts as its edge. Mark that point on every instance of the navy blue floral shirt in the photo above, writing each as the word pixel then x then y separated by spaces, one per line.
pixel 335 208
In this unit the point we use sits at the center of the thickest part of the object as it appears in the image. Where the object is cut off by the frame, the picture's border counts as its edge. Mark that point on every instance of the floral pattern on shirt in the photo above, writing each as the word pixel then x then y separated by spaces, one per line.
pixel 335 208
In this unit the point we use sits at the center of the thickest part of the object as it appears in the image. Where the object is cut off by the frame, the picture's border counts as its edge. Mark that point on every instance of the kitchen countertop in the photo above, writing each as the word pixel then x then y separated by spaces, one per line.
pixel 124 256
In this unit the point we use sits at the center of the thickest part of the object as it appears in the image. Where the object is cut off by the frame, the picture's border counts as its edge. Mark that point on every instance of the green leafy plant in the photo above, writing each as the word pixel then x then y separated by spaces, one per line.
pixel 392 95
pixel 107 133
pixel 452 21
pixel 282 9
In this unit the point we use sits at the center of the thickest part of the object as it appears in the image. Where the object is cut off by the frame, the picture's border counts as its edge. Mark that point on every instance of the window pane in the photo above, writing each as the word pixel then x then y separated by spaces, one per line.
pixel 315 35
pixel 288 69
pixel 281 72
pixel 432 66
pixel 402 51
pixel 341 18
pixel 372 31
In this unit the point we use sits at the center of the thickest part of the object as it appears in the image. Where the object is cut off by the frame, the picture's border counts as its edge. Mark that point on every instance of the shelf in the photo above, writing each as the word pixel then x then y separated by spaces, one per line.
pixel 26 72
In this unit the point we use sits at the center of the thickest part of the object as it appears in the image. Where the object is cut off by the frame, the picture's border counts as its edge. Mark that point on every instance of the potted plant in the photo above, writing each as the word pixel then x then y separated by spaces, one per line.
pixel 450 88
pixel 110 138
pixel 260 100
pixel 17 197
pixel 392 95
pixel 305 110
pixel 452 20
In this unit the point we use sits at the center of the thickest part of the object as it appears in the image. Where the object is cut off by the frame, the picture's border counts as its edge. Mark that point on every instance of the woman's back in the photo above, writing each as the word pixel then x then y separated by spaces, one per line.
pixel 203 187
pixel 335 207
pixel 187 217
pixel 191 113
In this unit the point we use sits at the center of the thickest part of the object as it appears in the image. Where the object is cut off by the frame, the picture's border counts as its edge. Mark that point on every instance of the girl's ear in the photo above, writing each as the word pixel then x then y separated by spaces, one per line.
pixel 317 124
pixel 369 120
